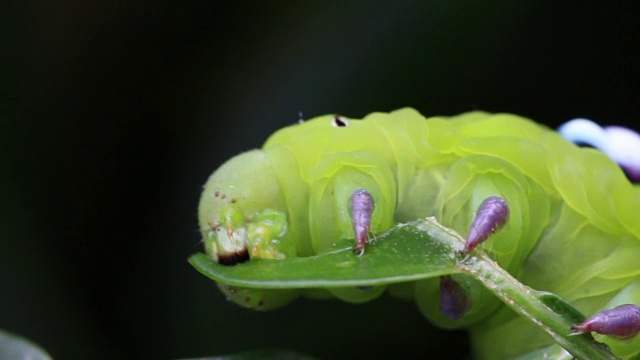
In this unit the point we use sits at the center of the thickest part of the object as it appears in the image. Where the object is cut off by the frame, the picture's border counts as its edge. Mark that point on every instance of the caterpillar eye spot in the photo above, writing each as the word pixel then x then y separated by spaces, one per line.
pixel 340 122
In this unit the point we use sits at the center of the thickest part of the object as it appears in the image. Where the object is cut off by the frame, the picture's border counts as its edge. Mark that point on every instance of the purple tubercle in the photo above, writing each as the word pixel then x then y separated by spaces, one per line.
pixel 492 214
pixel 361 211
pixel 622 322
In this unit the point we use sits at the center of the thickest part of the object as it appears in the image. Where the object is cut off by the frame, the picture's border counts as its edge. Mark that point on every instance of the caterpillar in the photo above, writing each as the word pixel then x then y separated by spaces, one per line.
pixel 572 224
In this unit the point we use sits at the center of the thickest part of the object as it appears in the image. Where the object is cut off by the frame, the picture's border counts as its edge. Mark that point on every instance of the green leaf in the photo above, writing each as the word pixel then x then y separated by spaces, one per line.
pixel 548 312
pixel 561 307
pixel 404 253
pixel 553 352
pixel 416 250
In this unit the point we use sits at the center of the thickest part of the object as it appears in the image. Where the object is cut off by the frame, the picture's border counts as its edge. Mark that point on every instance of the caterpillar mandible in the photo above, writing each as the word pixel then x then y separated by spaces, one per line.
pixel 572 227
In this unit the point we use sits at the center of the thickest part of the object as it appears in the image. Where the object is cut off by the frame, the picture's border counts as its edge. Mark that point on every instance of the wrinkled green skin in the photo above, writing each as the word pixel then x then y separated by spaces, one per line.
pixel 573 230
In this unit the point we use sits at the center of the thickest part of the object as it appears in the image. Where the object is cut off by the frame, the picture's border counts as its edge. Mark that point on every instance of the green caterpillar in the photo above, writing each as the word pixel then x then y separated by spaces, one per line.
pixel 573 224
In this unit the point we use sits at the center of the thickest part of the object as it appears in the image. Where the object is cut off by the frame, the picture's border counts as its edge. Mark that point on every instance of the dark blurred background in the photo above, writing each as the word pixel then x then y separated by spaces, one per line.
pixel 116 112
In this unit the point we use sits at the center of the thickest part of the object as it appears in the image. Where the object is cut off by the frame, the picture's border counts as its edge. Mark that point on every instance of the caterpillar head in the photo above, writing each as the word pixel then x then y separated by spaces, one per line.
pixel 242 212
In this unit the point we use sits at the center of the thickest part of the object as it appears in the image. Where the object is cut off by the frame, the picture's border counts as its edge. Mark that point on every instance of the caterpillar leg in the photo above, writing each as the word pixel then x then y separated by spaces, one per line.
pixel 492 214
pixel 226 241
pixel 243 212
pixel 362 205
pixel 622 322
pixel 234 239
pixel 453 298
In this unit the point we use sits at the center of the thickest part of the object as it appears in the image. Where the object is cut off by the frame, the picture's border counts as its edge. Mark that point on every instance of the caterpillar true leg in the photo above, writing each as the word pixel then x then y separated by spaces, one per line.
pixel 492 214
pixel 227 241
pixel 362 206
pixel 622 322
